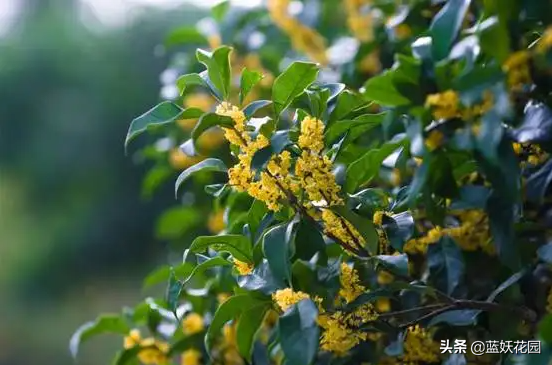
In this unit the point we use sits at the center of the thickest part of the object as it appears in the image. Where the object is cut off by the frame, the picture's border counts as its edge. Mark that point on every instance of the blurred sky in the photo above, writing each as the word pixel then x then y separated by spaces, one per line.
pixel 110 13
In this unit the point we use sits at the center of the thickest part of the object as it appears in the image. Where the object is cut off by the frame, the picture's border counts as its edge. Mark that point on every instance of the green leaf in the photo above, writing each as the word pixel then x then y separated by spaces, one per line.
pixel 261 279
pixel 446 265
pixel 107 323
pixel 163 113
pixel 536 126
pixel 397 264
pixel 367 167
pixel 190 80
pixel 248 81
pixel 248 326
pixel 464 317
pixel 184 35
pixel 209 120
pixel 501 223
pixel 291 83
pixel 446 25
pixel 219 11
pixel 162 274
pixel 216 261
pixel 545 328
pixel 399 229
pixel 299 333
pixel 347 104
pixel 228 311
pixel 538 183
pixel 382 90
pixel 218 68
pixel 363 225
pixel 125 356
pixel 506 284
pixel 471 197
pixel 237 245
pixel 307 231
pixel 176 222
pixel 209 164
pixel 276 248
pixel 355 127
pixel 172 295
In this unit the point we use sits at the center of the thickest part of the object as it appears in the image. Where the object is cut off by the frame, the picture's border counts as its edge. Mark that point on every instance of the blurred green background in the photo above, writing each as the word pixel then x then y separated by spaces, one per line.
pixel 76 238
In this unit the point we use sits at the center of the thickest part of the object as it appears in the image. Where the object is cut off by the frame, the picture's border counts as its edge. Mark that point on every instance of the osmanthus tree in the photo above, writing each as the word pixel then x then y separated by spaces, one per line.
pixel 381 187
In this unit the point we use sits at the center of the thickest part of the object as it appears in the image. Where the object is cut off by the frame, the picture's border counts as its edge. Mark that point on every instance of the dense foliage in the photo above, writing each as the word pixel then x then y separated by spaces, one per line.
pixel 380 177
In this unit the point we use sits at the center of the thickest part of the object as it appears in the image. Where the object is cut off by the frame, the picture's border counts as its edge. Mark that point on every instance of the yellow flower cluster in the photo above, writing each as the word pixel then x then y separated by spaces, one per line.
pixel 517 70
pixel 370 63
pixel 471 235
pixel 533 153
pixel 360 20
pixel 337 227
pixel 153 352
pixel 341 331
pixel 303 38
pixel 286 298
pixel 192 324
pixel 477 110
pixel 445 105
pixel 419 347
pixel 351 287
pixel 545 41
pixel 434 139
pixel 243 268
pixel 190 357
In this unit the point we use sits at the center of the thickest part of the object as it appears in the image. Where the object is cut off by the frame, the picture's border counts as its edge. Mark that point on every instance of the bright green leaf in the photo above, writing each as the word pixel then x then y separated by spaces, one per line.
pixel 237 245
pixel 218 68
pixel 107 323
pixel 210 120
pixel 220 10
pixel 382 90
pixel 355 127
pixel 248 81
pixel 291 83
pixel 249 324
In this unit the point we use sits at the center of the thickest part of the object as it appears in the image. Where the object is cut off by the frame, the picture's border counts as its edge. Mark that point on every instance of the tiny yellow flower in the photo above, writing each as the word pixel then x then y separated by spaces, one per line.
pixel 191 357
pixel 132 339
pixel 517 70
pixel 351 287
pixel 420 347
pixel 378 218
pixel 285 298
pixel 444 105
pixel 243 268
pixel 192 324
pixel 434 140
pixel 385 277
pixel 383 305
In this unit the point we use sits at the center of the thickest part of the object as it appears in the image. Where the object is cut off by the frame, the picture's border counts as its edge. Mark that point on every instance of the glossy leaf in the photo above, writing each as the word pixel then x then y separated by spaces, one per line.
pixel 299 333
pixel 248 81
pixel 355 127
pixel 237 245
pixel 208 121
pixel 446 25
pixel 190 80
pixel 382 90
pixel 261 279
pixel 249 324
pixel 210 164
pixel 250 109
pixel 107 323
pixel 291 83
pixel 276 249
pixel 446 265
pixel 218 68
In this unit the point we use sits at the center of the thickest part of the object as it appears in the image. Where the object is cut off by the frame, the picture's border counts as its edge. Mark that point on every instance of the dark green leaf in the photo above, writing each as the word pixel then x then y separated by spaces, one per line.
pixel 501 221
pixel 355 127
pixel 228 311
pixel 218 68
pixel 216 261
pixel 308 232
pixel 172 295
pixel 291 83
pixel 471 197
pixel 254 106
pixel 363 225
pixel 347 104
pixel 210 120
pixel 276 248
pixel 237 245
pixel 107 323
pixel 248 81
pixel 539 182
pixel 373 198
pixel 367 167
pixel 299 333
pixel 261 279
pixel 382 90
pixel 248 326
pixel 446 265
pixel 465 317
pixel 399 228
pixel 446 25
pixel 506 284
pixel 395 263
pixel 163 113
pixel 209 164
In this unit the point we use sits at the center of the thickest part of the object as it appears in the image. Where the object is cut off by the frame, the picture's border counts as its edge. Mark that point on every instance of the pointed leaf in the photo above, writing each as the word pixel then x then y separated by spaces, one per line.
pixel 299 333
pixel 248 81
pixel 446 265
pixel 291 83
pixel 446 25
pixel 355 127
pixel 249 324
pixel 276 248
pixel 209 120
pixel 107 323
pixel 382 90
pixel 190 80
pixel 210 164
pixel 237 245
pixel 218 68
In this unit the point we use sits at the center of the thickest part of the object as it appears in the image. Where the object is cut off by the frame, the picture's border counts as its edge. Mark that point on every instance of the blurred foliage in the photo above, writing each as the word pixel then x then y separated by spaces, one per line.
pixel 385 187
